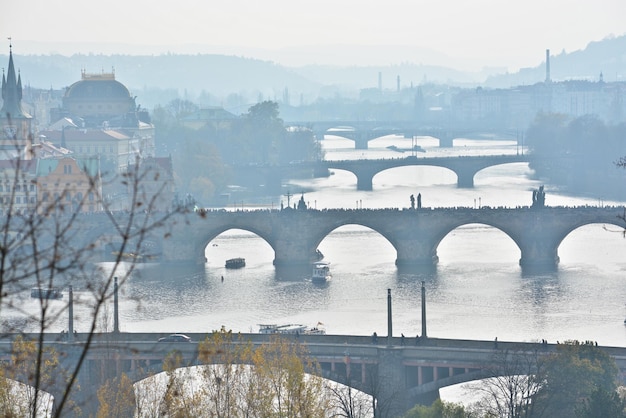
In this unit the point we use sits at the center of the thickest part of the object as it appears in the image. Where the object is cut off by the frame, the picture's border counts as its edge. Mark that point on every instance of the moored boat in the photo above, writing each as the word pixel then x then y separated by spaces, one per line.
pixel 235 263
pixel 46 293
pixel 291 329
pixel 321 272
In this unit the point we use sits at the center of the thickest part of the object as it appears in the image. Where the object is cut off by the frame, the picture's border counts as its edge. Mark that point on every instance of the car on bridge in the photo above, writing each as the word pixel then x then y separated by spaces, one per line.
pixel 175 338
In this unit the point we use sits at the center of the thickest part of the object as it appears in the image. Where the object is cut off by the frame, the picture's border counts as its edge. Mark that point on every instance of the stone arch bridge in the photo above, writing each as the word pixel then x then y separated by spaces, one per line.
pixel 295 235
pixel 464 167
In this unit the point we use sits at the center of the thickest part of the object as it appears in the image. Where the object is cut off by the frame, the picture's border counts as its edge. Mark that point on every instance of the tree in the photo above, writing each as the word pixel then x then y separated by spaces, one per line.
pixel 510 391
pixel 40 246
pixel 237 379
pixel 440 409
pixel 570 376
pixel 602 404
pixel 116 398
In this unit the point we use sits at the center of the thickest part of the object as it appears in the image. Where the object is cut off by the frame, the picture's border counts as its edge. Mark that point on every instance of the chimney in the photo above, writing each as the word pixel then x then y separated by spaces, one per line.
pixel 547 65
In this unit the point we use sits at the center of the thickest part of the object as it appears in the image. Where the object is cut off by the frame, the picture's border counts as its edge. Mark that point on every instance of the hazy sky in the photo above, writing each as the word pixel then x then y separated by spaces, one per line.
pixel 503 33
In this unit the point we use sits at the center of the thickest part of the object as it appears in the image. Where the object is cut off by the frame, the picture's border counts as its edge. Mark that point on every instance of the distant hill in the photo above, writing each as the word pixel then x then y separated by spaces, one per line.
pixel 210 79
pixel 607 57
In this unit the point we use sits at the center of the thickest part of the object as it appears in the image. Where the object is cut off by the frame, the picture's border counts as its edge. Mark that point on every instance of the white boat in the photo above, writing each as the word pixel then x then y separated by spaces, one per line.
pixel 291 329
pixel 321 272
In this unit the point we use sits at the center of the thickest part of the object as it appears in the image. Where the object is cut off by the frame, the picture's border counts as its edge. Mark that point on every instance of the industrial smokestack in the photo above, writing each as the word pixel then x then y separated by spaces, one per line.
pixel 547 65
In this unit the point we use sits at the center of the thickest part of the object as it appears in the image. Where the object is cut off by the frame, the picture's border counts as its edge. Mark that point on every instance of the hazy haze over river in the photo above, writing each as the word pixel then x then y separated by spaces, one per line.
pixel 477 291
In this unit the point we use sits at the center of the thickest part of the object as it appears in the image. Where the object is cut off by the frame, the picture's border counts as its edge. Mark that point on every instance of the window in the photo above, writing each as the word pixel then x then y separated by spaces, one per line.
pixel 17 188
pixel 32 188
pixel 68 197
pixel 91 197
pixel 1 188
pixel 32 199
pixel 18 200
pixel 45 196
pixel 79 196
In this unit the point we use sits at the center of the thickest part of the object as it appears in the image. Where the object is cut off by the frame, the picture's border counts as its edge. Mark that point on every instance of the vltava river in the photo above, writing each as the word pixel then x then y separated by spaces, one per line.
pixel 477 291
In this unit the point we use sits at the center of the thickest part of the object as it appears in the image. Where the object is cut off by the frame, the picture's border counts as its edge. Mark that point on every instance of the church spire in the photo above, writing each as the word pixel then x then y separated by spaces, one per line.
pixel 12 92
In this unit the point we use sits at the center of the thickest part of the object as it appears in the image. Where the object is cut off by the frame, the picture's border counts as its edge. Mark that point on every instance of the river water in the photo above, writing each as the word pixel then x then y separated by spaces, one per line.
pixel 477 290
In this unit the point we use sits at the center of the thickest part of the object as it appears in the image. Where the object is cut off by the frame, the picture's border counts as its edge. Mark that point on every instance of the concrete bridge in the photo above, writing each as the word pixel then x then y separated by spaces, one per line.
pixel 464 167
pixel 398 372
pixel 295 235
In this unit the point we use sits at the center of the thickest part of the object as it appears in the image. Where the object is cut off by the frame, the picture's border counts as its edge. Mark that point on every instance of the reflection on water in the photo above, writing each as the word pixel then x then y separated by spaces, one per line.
pixel 477 291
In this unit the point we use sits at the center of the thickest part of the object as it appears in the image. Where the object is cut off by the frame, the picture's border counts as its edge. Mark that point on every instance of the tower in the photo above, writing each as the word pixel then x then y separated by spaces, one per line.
pixel 16 123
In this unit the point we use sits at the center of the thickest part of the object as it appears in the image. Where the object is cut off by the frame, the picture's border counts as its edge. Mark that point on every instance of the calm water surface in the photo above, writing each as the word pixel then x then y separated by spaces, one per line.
pixel 477 291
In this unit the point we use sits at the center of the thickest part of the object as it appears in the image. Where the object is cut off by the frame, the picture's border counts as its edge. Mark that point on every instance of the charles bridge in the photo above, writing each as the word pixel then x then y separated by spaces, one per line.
pixel 399 372
pixel 295 234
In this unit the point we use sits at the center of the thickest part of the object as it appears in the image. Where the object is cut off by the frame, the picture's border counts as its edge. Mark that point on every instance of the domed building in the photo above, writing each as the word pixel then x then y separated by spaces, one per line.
pixel 98 99
pixel 99 117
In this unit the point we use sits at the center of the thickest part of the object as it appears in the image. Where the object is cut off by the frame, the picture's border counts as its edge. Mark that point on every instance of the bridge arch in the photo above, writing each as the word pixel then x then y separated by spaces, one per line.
pixel 210 235
pixel 501 239
pixel 585 233
pixel 357 230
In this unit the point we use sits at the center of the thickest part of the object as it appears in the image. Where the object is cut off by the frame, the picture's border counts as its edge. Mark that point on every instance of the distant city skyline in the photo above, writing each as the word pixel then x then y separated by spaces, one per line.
pixel 457 33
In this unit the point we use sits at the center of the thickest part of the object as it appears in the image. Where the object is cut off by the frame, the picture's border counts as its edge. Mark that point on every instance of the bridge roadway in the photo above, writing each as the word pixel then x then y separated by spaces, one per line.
pixel 295 235
pixel 405 371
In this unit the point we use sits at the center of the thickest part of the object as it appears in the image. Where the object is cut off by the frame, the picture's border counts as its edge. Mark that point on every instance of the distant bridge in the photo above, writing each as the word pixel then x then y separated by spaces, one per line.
pixel 361 132
pixel 464 167
pixel 398 372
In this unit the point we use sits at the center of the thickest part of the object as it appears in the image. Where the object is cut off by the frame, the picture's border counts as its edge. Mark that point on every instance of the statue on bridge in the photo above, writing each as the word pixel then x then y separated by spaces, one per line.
pixel 301 203
pixel 412 202
pixel 539 198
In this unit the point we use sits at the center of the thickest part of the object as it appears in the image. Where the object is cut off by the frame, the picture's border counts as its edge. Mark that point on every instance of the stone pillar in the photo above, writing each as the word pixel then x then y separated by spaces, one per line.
pixel 415 251
pixel 70 309
pixel 390 389
pixel 424 335
pixel 389 318
pixel 116 312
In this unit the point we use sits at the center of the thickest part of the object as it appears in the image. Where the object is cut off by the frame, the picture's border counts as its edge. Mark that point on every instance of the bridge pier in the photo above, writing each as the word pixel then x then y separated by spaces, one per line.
pixel 416 252
pixel 364 182
pixel 361 141
pixel 465 180
pixel 392 398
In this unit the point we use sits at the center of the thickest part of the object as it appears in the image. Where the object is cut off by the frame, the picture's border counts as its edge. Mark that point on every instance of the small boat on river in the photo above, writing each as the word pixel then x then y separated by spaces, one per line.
pixel 291 329
pixel 46 293
pixel 235 263
pixel 321 272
